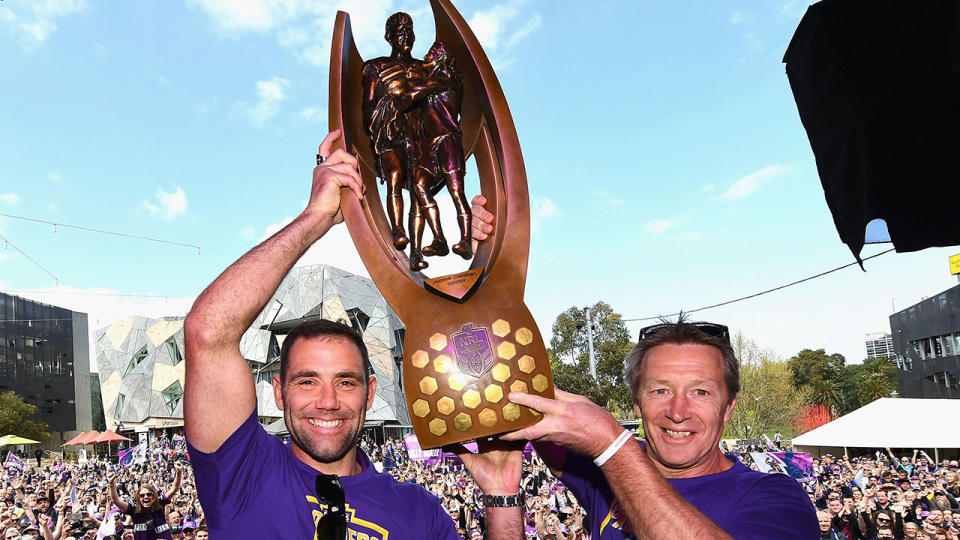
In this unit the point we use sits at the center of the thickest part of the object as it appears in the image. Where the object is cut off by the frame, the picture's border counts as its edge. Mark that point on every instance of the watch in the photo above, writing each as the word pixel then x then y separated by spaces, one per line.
pixel 503 501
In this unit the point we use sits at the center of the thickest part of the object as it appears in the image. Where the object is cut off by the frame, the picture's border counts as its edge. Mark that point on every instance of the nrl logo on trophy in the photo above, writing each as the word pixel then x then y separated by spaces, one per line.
pixel 413 123
pixel 473 351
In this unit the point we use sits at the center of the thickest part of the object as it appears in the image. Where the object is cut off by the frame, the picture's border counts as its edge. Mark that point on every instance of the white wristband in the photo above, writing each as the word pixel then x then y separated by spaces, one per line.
pixel 616 445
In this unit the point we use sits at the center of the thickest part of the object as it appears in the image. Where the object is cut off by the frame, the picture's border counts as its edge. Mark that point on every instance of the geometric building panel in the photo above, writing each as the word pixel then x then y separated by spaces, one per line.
pixel 141 360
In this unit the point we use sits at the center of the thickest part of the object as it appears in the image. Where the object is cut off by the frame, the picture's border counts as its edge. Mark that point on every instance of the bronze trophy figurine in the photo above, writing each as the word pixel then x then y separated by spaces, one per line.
pixel 411 112
pixel 470 340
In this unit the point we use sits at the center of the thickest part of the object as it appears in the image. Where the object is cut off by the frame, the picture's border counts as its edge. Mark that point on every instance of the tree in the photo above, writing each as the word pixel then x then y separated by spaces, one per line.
pixel 827 394
pixel 879 379
pixel 812 366
pixel 862 383
pixel 14 414
pixel 768 402
pixel 569 357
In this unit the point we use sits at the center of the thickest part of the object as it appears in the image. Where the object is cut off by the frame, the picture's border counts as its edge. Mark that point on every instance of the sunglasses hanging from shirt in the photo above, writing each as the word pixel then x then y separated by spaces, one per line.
pixel 333 524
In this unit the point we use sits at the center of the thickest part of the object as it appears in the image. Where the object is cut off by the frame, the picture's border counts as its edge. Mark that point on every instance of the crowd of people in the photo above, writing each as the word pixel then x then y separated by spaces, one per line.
pixel 880 496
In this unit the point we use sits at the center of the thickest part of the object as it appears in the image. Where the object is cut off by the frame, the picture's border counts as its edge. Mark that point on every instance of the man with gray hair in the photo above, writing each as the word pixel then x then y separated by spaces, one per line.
pixel 684 378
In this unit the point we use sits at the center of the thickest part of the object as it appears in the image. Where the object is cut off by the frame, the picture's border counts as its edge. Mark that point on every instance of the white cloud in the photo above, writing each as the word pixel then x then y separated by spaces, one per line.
pixel 604 200
pixel 157 75
pixel 753 39
pixel 544 208
pixel 9 198
pixel 496 30
pixel 269 95
pixel 541 208
pixel 305 26
pixel 54 177
pixel 247 232
pixel 167 206
pixel 100 49
pixel 660 226
pixel 746 185
pixel 313 114
pixel 235 16
pixel 31 23
pixel 742 17
pixel 792 10
pixel 705 189
pixel 335 248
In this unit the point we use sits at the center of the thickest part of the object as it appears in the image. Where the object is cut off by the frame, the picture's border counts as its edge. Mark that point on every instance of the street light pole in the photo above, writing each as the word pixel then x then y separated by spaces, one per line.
pixel 593 360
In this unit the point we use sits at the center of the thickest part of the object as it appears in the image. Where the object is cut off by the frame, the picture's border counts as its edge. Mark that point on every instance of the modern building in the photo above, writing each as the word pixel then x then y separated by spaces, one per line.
pixel 141 366
pixel 926 340
pixel 880 345
pixel 44 358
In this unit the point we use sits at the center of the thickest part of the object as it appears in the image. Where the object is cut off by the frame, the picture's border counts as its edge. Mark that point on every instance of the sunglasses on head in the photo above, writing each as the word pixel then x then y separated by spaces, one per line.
pixel 710 329
pixel 333 524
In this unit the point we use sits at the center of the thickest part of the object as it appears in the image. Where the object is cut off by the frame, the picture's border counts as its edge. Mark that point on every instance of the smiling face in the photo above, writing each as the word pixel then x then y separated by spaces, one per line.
pixel 683 401
pixel 324 401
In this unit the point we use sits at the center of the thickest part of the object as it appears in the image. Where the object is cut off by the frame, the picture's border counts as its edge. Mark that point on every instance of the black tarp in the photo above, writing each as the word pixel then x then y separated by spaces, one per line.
pixel 877 85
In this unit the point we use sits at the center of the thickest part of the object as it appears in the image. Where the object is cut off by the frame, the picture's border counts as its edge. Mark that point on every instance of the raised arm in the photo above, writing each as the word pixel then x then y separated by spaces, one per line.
pixel 176 483
pixel 220 392
pixel 114 496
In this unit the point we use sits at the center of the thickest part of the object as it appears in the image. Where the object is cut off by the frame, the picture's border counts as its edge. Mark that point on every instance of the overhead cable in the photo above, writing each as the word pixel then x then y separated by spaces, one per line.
pixel 761 293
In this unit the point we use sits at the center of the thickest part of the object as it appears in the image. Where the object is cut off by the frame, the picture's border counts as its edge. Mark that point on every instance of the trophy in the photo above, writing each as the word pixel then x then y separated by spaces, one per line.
pixel 469 340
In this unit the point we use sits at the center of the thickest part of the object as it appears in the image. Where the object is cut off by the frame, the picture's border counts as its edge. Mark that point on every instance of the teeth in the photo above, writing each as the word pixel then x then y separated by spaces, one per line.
pixel 324 423
pixel 677 434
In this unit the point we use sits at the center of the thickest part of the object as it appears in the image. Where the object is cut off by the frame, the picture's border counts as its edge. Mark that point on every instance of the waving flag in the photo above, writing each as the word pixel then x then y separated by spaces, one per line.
pixel 109 524
pixel 15 462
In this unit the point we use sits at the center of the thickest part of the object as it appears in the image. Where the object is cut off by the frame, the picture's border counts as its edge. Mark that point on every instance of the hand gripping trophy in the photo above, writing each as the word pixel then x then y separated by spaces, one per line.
pixel 470 340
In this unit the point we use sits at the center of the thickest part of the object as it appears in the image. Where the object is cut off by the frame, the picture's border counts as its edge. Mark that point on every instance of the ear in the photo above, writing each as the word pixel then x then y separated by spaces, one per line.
pixel 371 390
pixel 728 412
pixel 636 409
pixel 278 392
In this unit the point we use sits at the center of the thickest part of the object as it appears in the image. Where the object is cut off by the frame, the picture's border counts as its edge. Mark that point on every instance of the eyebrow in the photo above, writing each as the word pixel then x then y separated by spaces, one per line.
pixel 311 374
pixel 695 382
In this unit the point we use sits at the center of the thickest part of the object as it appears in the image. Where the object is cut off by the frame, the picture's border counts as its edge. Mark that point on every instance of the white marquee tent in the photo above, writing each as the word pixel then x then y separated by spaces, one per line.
pixel 889 423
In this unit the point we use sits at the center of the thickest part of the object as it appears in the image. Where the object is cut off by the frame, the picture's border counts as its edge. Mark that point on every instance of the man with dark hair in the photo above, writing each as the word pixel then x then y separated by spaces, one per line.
pixel 684 378
pixel 321 485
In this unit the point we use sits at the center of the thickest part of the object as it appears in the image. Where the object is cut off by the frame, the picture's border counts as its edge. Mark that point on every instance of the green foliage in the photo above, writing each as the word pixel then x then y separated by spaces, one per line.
pixel 768 402
pixel 14 414
pixel 842 387
pixel 810 367
pixel 570 361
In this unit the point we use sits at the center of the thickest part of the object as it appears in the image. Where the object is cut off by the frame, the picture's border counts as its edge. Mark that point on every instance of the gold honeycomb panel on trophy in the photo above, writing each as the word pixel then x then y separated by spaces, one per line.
pixel 452 404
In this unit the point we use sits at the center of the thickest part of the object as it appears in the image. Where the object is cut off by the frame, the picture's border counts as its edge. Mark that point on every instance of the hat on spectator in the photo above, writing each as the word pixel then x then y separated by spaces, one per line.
pixel 189 524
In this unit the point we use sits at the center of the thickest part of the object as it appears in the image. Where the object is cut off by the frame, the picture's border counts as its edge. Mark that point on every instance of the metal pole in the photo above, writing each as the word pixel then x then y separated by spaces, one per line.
pixel 593 361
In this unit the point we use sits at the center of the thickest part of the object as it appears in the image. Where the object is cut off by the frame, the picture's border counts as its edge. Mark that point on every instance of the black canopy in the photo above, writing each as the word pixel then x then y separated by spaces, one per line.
pixel 877 84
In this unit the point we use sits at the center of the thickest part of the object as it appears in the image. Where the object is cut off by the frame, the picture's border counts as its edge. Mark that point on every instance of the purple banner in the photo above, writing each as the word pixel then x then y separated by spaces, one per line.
pixel 798 465
pixel 418 454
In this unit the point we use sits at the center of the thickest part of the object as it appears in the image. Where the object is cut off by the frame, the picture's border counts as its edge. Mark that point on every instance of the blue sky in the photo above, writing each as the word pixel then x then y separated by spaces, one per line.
pixel 666 161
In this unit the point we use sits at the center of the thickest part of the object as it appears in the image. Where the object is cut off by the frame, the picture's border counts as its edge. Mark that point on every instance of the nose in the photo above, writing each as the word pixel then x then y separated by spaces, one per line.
pixel 679 407
pixel 327 398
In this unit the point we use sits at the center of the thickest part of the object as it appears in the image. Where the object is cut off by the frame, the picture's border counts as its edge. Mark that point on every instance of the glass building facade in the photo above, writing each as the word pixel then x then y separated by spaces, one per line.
pixel 38 358
pixel 926 340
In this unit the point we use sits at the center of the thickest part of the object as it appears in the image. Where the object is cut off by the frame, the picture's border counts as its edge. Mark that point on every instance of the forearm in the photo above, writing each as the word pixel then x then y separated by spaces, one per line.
pixel 117 501
pixel 504 523
pixel 224 311
pixel 653 507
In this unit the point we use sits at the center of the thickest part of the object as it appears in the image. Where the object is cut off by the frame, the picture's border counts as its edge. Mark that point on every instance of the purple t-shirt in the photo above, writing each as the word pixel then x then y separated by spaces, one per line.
pixel 150 524
pixel 745 503
pixel 254 487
